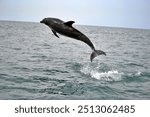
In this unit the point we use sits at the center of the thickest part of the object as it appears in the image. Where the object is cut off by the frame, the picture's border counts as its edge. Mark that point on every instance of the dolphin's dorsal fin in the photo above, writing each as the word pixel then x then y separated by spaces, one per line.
pixel 55 33
pixel 69 23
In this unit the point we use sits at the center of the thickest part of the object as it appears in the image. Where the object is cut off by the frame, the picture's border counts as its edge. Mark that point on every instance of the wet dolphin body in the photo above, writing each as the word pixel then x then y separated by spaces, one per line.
pixel 66 29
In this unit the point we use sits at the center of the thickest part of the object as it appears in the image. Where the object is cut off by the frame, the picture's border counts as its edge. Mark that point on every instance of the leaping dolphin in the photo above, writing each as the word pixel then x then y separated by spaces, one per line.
pixel 66 29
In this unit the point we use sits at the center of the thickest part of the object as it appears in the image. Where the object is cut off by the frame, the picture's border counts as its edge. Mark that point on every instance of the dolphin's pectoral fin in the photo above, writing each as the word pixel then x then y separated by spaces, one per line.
pixel 69 23
pixel 55 33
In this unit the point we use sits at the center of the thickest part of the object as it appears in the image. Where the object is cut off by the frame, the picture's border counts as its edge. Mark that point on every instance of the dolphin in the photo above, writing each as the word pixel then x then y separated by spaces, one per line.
pixel 66 29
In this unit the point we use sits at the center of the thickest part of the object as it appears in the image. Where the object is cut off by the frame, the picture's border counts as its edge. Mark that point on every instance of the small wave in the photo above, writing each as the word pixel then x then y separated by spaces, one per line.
pixel 97 73
pixel 134 74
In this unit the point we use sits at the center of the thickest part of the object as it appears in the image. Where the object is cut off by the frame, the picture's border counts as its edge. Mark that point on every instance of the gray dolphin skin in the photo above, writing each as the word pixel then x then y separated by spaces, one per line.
pixel 66 29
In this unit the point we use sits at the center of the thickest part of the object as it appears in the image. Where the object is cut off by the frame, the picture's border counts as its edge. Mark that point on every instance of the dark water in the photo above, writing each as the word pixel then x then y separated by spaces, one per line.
pixel 34 64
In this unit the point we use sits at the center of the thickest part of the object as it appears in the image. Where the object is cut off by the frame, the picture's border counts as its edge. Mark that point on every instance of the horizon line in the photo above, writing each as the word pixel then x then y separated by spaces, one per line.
pixel 109 26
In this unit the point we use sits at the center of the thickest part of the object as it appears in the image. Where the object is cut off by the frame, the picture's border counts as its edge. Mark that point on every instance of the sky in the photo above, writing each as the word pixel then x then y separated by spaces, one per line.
pixel 113 13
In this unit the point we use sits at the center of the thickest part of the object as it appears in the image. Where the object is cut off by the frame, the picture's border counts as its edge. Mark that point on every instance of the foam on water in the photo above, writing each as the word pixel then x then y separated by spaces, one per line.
pixel 99 74
pixel 108 76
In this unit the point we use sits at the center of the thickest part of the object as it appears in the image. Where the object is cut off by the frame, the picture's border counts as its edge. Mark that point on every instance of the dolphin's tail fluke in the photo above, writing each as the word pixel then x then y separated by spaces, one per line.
pixel 96 53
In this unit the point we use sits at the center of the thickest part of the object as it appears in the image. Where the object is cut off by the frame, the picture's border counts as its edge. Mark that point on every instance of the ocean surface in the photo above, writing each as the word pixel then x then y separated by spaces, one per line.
pixel 34 64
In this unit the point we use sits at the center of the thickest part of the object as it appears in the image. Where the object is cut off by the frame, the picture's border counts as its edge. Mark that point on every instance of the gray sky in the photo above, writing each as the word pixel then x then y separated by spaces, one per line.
pixel 116 13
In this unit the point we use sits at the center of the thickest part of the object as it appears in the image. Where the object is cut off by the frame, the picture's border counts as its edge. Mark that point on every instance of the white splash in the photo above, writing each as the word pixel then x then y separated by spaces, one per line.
pixel 138 73
pixel 108 76
pixel 112 75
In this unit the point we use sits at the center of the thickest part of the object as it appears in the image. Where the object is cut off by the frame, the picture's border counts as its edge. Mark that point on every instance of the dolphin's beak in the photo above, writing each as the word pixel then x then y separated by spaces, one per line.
pixel 41 21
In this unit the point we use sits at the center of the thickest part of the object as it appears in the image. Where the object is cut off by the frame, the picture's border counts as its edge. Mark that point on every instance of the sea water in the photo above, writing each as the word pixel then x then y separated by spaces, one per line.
pixel 34 64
